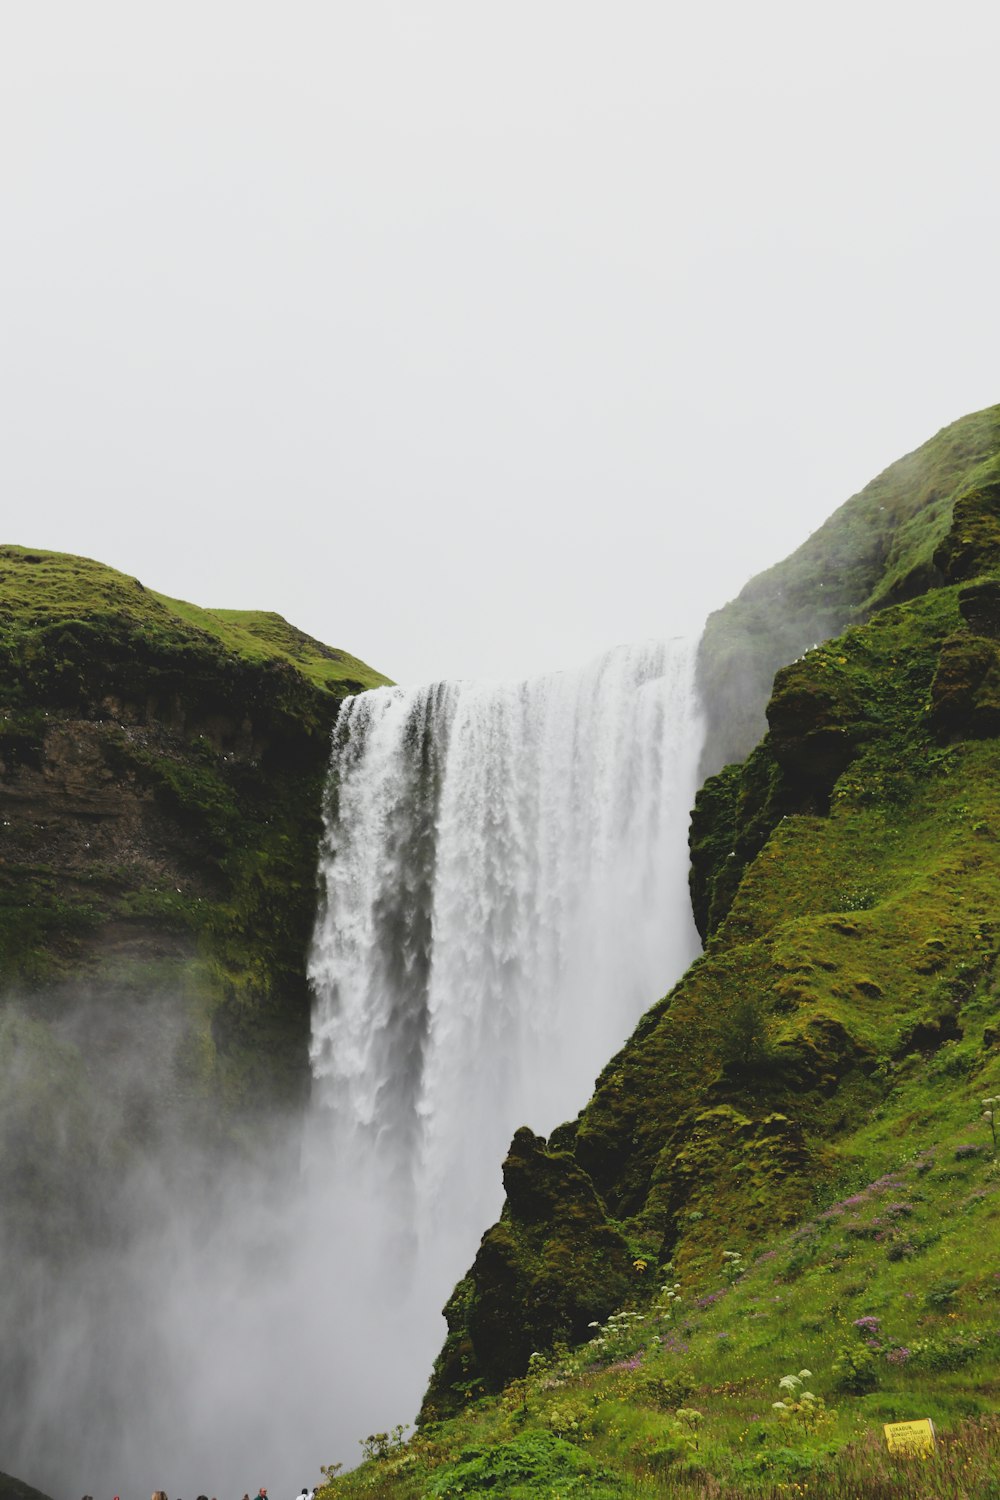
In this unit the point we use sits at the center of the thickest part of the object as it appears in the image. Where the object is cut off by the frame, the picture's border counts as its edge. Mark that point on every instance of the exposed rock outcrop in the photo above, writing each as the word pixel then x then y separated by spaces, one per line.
pixel 552 1266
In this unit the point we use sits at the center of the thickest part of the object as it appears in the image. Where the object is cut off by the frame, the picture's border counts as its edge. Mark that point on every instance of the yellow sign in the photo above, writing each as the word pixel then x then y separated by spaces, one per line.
pixel 910 1437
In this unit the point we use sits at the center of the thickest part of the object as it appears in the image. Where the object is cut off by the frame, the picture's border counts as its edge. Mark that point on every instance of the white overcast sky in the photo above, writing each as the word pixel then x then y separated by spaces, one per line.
pixel 474 337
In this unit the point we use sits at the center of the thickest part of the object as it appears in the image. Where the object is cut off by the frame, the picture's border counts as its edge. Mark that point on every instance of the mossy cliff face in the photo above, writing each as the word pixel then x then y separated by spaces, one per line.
pixel 551 1267
pixel 882 547
pixel 161 770
pixel 846 879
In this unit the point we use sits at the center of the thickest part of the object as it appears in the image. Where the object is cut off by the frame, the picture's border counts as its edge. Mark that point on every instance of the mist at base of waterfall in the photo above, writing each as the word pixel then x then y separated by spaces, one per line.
pixel 177 1314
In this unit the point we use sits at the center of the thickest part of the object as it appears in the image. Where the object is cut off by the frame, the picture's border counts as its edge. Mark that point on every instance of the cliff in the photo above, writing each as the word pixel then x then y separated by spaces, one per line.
pixel 842 1023
pixel 876 550
pixel 161 769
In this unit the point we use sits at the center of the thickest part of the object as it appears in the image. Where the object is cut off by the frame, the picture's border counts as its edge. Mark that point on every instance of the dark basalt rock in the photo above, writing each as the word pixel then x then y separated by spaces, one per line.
pixel 979 606
pixel 734 814
pixel 972 544
pixel 554 1253
pixel 816 725
pixel 965 693
pixel 549 1268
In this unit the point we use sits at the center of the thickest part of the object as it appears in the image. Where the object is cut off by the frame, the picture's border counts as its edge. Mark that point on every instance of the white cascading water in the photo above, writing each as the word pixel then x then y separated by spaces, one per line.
pixel 503 893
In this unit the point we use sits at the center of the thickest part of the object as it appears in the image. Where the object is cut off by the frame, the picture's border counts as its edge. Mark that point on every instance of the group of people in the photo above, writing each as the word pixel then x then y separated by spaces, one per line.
pixel 261 1495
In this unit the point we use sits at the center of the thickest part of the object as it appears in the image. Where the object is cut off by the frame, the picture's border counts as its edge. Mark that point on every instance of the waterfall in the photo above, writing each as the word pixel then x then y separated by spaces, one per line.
pixel 503 892
pixel 503 882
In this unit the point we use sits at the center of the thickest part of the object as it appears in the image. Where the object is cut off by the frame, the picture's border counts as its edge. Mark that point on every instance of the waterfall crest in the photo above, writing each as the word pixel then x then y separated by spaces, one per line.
pixel 503 882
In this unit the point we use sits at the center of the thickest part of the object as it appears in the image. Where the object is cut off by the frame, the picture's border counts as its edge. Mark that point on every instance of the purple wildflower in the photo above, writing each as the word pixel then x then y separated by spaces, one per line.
pixel 673 1345
pixel 711 1298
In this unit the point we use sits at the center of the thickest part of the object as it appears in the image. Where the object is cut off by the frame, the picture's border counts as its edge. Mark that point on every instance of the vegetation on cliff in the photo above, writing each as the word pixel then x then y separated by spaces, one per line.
pixel 161 769
pixel 792 1147
pixel 887 1295
pixel 877 549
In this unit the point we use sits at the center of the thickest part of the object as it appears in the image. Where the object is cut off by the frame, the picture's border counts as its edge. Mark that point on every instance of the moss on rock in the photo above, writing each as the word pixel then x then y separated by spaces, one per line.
pixel 161 774
pixel 892 542
pixel 552 1266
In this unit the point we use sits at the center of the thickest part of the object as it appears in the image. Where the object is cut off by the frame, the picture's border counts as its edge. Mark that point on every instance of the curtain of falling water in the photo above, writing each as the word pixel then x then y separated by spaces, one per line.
pixel 504 892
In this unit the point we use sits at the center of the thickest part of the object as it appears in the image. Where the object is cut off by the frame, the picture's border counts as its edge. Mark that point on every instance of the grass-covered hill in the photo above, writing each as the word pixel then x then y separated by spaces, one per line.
pixel 161 769
pixel 879 548
pixel 786 1172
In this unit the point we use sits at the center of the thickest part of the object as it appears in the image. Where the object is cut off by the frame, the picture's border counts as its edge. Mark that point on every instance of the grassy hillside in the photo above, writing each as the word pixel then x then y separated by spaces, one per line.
pixel 787 1166
pixel 887 1293
pixel 47 597
pixel 877 549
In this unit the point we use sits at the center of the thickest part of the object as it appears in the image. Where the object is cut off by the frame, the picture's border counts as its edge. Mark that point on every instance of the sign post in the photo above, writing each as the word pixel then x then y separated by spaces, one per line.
pixel 910 1437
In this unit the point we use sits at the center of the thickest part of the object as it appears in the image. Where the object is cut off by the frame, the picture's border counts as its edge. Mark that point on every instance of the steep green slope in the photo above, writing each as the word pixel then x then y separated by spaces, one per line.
pixel 161 769
pixel 849 873
pixel 44 595
pixel 854 939
pixel 792 1140
pixel 885 1296
pixel 878 549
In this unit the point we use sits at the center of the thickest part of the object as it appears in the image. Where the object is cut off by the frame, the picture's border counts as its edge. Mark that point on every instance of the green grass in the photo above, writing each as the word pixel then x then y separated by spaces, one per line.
pixel 901 1244
pixel 876 550
pixel 261 636
pixel 48 599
